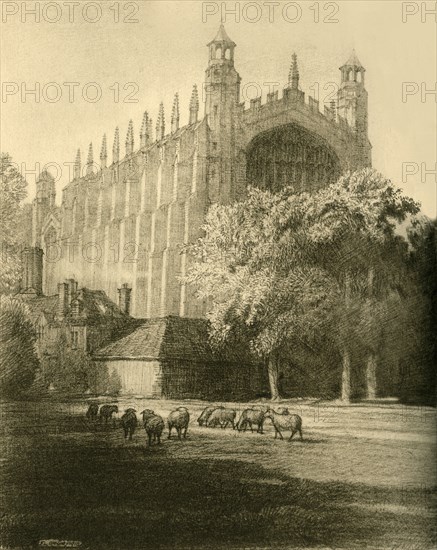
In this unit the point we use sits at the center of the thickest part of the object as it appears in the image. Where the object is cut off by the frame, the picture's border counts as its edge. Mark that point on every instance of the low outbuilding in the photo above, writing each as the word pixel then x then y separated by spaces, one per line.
pixel 171 357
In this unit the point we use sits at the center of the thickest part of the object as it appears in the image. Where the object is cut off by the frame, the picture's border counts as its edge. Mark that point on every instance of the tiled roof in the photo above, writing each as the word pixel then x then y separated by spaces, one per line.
pixel 170 338
pixel 95 307
pixel 42 305
pixel 144 342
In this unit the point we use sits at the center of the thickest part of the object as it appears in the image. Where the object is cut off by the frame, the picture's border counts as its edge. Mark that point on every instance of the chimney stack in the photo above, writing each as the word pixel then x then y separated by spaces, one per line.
pixel 124 298
pixel 71 290
pixel 62 300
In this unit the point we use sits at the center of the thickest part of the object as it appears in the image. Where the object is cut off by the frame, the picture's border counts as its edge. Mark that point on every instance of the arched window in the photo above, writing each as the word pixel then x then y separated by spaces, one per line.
pixel 218 53
pixel 359 76
pixel 228 53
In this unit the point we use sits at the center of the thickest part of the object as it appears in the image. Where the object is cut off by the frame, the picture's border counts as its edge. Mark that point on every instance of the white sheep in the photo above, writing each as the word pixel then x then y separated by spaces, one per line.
pixel 284 422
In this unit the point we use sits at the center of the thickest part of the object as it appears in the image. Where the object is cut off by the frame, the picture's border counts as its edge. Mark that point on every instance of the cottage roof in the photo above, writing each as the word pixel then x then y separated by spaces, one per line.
pixel 171 338
pixel 96 307
pixel 42 305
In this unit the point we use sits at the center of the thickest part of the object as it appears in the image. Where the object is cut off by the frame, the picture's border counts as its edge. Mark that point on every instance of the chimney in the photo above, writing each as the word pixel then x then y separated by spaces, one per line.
pixel 62 300
pixel 71 290
pixel 124 298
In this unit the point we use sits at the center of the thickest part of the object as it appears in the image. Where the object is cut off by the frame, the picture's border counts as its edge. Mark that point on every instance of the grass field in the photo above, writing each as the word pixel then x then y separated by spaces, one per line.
pixel 363 477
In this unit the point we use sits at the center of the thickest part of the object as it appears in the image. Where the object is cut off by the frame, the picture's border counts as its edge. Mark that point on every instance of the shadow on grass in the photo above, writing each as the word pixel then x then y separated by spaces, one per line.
pixel 129 496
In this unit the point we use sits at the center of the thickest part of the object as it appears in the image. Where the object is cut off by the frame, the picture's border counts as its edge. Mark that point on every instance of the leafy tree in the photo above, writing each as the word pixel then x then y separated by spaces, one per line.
pixel 73 371
pixel 280 268
pixel 250 263
pixel 18 358
pixel 352 234
pixel 13 190
pixel 420 325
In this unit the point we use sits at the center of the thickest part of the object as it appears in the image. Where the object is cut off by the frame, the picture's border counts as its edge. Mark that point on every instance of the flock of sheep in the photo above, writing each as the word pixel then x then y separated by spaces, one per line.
pixel 212 416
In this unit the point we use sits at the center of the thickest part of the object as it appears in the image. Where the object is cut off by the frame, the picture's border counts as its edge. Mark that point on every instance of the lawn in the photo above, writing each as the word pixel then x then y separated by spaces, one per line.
pixel 363 477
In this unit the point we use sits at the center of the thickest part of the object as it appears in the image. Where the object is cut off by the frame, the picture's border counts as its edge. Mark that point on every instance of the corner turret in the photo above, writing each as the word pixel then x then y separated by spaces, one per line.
pixel 352 100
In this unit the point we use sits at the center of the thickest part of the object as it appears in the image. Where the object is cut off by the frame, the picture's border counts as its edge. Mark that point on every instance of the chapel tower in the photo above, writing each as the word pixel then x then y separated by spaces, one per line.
pixel 353 99
pixel 222 89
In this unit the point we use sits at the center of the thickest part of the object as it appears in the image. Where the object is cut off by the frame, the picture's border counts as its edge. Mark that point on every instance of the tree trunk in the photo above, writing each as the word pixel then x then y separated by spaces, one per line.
pixel 371 359
pixel 371 376
pixel 345 355
pixel 346 376
pixel 273 371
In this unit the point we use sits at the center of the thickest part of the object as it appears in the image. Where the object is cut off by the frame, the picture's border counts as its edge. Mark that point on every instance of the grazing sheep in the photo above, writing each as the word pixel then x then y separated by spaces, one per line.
pixel 265 408
pixel 153 424
pixel 179 420
pixel 292 422
pixel 206 413
pixel 129 422
pixel 251 417
pixel 222 417
pixel 106 412
pixel 92 411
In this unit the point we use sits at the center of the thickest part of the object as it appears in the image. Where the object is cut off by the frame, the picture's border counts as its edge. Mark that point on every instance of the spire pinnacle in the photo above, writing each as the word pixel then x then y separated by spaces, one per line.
pixel 77 166
pixel 149 128
pixel 175 114
pixel 130 138
pixel 194 105
pixel 116 146
pixel 144 132
pixel 90 161
pixel 293 75
pixel 160 123
pixel 103 152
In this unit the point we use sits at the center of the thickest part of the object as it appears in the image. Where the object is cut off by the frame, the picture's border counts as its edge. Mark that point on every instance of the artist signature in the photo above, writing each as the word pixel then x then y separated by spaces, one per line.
pixel 60 543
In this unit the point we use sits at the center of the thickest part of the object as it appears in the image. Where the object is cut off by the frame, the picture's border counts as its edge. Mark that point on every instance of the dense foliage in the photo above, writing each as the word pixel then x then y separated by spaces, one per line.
pixel 327 270
pixel 72 372
pixel 14 219
pixel 18 358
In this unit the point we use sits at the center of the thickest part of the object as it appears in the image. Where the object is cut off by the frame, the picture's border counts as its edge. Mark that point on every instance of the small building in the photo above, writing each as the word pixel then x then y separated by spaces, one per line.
pixel 86 319
pixel 172 358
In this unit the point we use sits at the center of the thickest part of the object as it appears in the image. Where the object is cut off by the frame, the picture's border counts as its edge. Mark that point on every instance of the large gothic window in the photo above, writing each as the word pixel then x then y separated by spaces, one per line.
pixel 290 156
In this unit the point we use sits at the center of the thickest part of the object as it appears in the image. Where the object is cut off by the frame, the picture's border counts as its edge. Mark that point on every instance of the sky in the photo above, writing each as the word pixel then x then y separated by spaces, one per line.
pixel 136 54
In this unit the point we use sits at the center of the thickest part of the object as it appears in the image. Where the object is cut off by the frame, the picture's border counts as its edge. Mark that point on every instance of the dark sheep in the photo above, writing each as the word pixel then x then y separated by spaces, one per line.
pixel 292 422
pixel 206 413
pixel 92 411
pixel 106 412
pixel 179 420
pixel 153 424
pixel 251 417
pixel 129 423
pixel 222 417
